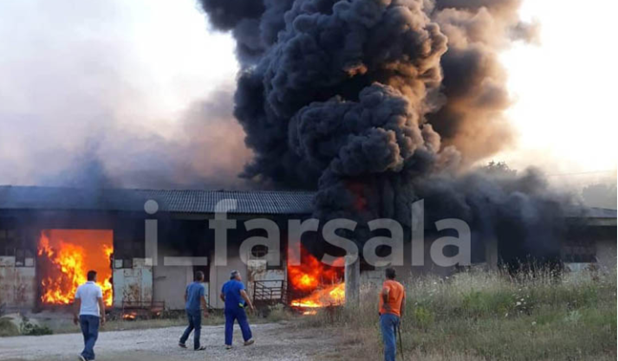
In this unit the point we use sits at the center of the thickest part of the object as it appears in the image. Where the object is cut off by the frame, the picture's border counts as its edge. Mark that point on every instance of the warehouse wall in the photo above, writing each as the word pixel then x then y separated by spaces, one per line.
pixel 17 284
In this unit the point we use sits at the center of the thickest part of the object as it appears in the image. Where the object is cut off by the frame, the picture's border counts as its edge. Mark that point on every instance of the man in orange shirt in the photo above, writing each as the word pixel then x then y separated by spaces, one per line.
pixel 392 304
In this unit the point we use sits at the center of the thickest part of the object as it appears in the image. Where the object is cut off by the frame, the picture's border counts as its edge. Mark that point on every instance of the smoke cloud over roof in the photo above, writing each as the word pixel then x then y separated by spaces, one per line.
pixel 440 56
pixel 379 103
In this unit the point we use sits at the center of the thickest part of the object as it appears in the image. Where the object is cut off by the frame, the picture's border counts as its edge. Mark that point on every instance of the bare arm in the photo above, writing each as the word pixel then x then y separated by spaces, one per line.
pixel 222 296
pixel 77 304
pixel 204 305
pixel 101 309
pixel 403 304
pixel 384 294
pixel 245 297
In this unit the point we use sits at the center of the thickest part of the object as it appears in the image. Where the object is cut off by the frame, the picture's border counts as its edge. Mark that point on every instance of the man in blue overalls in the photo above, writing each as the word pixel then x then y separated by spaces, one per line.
pixel 235 297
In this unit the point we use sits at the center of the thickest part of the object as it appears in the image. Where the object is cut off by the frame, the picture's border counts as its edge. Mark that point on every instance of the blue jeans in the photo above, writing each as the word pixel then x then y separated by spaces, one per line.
pixel 388 325
pixel 236 313
pixel 90 330
pixel 195 323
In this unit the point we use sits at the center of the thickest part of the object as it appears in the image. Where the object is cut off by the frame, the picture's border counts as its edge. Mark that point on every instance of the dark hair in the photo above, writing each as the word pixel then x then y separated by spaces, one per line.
pixel 91 275
pixel 390 273
pixel 199 276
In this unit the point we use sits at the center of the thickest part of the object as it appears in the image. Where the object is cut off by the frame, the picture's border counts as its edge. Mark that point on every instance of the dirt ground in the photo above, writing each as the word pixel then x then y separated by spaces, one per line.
pixel 273 342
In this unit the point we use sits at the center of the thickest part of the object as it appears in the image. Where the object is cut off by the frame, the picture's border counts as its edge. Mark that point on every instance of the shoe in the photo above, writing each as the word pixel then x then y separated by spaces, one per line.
pixel 201 348
pixel 81 358
pixel 249 342
pixel 228 347
pixel 180 344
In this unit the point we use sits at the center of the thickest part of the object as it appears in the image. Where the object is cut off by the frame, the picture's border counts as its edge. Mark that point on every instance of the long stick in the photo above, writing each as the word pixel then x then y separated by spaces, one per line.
pixel 400 342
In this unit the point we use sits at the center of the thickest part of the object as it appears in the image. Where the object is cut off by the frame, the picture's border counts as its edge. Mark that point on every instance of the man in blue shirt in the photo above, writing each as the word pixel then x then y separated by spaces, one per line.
pixel 235 298
pixel 195 302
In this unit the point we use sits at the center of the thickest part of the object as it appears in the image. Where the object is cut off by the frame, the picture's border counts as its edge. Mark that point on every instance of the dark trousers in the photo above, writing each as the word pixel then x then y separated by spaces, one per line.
pixel 195 323
pixel 231 315
pixel 90 330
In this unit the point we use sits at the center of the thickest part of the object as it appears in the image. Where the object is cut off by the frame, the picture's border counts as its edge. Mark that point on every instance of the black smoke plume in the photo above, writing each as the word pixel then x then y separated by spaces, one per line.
pixel 379 103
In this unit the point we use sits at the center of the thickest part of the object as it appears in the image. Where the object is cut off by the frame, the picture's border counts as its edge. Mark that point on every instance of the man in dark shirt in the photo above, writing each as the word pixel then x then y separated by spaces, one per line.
pixel 235 297
pixel 195 302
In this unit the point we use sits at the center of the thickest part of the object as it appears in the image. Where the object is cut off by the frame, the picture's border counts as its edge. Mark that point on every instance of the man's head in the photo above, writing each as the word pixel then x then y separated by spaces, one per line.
pixel 235 275
pixel 390 274
pixel 92 276
pixel 199 276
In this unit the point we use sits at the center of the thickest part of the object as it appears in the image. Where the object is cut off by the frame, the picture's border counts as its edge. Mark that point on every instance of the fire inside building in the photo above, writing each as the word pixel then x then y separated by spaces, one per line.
pixel 50 238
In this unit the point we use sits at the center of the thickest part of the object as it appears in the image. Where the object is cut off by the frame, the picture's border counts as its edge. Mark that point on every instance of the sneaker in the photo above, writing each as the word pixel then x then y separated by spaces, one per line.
pixel 249 342
pixel 228 347
pixel 81 358
pixel 201 348
pixel 180 344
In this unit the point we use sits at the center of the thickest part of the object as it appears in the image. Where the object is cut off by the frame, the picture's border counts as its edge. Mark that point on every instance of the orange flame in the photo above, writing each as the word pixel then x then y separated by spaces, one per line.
pixel 322 284
pixel 329 296
pixel 129 316
pixel 67 255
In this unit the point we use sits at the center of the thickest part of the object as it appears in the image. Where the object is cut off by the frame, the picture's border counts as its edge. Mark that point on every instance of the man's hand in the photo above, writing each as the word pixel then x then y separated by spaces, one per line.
pixel 206 314
pixel 75 320
pixel 101 309
pixel 245 297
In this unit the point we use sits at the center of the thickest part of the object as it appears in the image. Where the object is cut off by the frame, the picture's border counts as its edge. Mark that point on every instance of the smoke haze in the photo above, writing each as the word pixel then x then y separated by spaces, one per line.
pixel 90 97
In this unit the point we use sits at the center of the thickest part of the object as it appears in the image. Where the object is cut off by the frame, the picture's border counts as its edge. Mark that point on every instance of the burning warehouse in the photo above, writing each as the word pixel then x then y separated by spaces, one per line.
pixel 50 237
pixel 367 106
pixel 351 137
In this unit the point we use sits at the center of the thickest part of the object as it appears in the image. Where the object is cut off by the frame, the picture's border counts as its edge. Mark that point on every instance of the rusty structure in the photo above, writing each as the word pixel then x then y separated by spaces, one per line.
pixel 186 243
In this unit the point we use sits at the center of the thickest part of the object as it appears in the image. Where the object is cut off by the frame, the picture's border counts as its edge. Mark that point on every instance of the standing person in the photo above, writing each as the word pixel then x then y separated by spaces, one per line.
pixel 89 313
pixel 194 303
pixel 392 305
pixel 235 297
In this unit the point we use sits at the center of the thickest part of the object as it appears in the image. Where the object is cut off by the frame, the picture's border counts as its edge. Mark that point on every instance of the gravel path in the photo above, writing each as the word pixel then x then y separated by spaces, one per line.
pixel 273 342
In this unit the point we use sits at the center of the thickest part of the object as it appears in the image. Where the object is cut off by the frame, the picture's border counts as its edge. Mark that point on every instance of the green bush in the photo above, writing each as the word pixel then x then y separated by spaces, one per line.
pixel 277 313
pixel 7 328
pixel 495 316
pixel 422 317
pixel 31 329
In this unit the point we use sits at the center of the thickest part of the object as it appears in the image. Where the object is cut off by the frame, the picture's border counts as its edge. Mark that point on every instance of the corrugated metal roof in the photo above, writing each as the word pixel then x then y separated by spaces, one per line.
pixel 590 212
pixel 601 213
pixel 182 201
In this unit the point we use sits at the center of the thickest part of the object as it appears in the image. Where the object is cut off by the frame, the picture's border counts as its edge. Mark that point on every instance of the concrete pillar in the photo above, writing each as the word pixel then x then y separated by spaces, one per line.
pixel 352 281
pixel 491 253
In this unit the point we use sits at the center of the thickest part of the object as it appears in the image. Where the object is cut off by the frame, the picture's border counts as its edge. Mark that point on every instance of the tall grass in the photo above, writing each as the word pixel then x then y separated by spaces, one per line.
pixel 491 316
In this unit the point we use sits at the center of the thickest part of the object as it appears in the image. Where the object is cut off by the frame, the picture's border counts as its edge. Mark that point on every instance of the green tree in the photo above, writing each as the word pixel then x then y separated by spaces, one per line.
pixel 499 169
pixel 601 195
